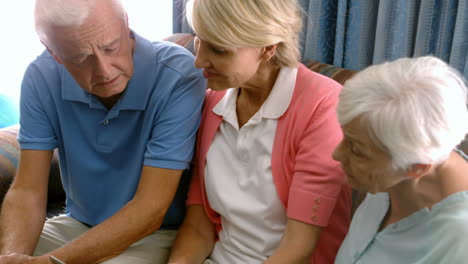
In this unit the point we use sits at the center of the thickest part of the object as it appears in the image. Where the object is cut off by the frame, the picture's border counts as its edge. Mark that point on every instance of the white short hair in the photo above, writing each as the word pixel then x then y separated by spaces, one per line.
pixel 414 109
pixel 66 13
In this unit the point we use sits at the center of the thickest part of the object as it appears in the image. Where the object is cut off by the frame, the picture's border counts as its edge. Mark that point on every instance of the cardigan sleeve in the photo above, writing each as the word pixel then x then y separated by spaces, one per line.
pixel 318 180
pixel 195 191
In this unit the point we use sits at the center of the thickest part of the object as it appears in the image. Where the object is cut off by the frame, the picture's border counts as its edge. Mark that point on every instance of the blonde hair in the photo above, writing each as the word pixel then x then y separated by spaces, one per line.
pixel 249 23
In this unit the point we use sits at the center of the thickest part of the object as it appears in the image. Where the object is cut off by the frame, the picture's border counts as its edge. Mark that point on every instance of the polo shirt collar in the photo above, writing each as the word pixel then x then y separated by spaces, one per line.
pixel 135 96
pixel 274 106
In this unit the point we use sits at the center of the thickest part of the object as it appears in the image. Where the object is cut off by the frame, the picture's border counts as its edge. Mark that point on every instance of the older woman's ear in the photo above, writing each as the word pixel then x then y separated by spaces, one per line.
pixel 418 170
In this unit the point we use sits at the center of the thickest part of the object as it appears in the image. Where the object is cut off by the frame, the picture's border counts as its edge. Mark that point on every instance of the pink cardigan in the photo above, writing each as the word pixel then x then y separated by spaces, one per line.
pixel 310 184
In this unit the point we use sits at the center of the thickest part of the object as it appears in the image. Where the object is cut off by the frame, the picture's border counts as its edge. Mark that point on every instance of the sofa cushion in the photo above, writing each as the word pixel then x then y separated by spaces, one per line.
pixel 338 74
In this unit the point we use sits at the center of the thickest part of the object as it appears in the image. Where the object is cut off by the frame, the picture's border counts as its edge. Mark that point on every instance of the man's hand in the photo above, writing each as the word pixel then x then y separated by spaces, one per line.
pixel 16 258
pixel 145 212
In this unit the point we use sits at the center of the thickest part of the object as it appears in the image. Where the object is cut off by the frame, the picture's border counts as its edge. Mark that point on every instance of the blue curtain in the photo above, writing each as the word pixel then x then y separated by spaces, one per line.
pixel 179 23
pixel 356 33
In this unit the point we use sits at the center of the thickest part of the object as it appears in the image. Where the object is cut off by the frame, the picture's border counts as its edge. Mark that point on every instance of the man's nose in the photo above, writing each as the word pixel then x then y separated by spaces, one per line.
pixel 103 65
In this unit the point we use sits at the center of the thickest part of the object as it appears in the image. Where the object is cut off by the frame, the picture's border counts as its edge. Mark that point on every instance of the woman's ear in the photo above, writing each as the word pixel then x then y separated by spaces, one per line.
pixel 418 170
pixel 269 52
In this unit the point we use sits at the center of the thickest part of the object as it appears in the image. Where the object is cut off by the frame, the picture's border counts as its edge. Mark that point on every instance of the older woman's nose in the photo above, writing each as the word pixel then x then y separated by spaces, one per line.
pixel 337 153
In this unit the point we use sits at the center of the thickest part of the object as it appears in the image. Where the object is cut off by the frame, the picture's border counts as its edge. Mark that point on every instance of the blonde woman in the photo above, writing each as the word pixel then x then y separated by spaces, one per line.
pixel 265 188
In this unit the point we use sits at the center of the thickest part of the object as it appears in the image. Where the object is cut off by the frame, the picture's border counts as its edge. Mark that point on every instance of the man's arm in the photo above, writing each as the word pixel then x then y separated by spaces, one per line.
pixel 196 238
pixel 24 207
pixel 138 218
pixel 297 244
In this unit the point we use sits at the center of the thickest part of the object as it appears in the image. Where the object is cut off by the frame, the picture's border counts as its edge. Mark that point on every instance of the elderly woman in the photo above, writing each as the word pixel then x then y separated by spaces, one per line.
pixel 265 187
pixel 401 122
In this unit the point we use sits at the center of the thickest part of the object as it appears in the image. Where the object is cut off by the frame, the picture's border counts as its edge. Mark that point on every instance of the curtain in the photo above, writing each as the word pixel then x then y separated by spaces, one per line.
pixel 354 34
pixel 179 23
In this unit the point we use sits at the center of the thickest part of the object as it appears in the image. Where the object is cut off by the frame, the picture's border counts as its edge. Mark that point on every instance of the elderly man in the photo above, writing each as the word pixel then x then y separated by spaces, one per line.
pixel 123 113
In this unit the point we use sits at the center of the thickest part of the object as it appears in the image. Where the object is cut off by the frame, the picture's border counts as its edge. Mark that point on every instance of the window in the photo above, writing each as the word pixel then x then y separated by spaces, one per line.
pixel 20 45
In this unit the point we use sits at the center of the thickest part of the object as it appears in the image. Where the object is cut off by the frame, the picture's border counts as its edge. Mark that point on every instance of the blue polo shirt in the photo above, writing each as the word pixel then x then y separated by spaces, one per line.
pixel 101 151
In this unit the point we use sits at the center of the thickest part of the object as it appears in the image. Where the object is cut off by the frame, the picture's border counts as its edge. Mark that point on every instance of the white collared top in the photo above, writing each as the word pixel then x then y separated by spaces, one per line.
pixel 238 178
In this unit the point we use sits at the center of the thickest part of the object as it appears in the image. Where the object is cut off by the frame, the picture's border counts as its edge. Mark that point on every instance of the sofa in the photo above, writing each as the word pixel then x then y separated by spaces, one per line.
pixel 9 149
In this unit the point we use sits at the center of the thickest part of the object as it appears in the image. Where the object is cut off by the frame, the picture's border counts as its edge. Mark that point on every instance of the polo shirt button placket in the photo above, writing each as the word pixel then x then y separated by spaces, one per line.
pixel 106 133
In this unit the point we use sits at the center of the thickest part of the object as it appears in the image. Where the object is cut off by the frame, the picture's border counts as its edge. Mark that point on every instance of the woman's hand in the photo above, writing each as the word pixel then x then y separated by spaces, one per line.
pixel 196 238
pixel 297 244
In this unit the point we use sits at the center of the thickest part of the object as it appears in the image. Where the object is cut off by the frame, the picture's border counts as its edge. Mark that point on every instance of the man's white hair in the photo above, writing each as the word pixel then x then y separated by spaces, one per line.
pixel 414 109
pixel 66 13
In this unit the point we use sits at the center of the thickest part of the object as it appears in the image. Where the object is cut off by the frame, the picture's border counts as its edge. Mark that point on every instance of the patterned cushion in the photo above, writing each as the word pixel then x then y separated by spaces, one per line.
pixel 9 155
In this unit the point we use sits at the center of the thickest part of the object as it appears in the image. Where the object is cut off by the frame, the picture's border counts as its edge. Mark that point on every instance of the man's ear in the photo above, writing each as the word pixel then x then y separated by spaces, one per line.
pixel 269 52
pixel 126 20
pixel 418 170
pixel 51 53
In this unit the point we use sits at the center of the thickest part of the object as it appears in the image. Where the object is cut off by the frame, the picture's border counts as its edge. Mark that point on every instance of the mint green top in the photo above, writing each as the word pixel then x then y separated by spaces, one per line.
pixel 439 235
